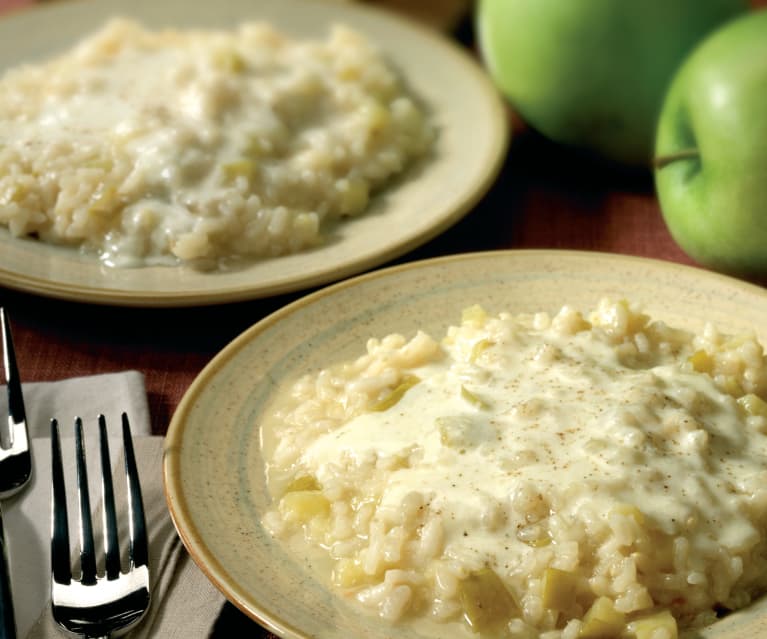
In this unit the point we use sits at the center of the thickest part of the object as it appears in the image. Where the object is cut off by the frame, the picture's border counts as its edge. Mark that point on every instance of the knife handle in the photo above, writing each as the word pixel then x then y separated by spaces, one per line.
pixel 7 617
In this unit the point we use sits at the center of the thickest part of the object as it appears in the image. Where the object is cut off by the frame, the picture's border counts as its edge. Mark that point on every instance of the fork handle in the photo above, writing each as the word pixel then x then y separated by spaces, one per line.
pixel 8 619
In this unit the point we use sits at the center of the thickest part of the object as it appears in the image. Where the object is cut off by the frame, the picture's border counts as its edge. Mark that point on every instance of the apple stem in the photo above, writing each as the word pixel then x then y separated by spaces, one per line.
pixel 684 154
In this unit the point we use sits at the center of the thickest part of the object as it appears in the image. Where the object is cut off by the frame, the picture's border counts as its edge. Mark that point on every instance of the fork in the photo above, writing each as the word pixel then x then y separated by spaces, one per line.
pixel 98 605
pixel 15 456
pixel 15 467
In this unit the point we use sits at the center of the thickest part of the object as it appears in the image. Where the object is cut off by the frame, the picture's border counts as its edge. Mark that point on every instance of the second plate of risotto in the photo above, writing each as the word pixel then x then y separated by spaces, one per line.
pixel 511 444
pixel 276 145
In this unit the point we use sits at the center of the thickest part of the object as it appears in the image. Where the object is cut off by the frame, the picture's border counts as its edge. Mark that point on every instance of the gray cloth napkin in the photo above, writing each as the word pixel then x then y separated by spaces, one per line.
pixel 184 603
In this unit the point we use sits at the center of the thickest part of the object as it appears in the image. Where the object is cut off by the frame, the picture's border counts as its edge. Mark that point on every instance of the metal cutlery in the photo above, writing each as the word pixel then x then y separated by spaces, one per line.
pixel 15 466
pixel 98 605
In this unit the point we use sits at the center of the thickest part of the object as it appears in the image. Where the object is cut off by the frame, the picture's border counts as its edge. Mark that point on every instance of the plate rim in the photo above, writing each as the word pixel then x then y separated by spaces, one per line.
pixel 493 158
pixel 177 501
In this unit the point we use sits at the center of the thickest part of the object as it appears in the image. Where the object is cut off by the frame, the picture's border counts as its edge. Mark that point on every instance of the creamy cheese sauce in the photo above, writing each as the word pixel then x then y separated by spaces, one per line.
pixel 561 412
pixel 165 146
pixel 612 448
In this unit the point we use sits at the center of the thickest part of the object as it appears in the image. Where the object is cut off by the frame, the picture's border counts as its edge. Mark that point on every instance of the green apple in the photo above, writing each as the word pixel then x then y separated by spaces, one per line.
pixel 711 149
pixel 592 73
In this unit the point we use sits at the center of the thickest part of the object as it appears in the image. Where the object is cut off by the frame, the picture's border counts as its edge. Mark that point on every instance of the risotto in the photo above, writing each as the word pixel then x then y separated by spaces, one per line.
pixel 196 146
pixel 568 476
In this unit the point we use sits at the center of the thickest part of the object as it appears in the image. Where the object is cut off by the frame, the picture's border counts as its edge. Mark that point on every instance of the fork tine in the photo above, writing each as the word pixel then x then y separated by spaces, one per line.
pixel 16 412
pixel 139 547
pixel 59 527
pixel 112 548
pixel 87 545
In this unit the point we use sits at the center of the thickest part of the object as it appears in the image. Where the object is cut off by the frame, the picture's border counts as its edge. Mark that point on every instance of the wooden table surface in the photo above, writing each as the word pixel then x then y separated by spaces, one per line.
pixel 545 197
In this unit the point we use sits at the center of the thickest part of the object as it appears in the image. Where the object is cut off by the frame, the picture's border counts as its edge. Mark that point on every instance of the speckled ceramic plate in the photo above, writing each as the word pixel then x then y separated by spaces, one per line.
pixel 213 466
pixel 465 107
